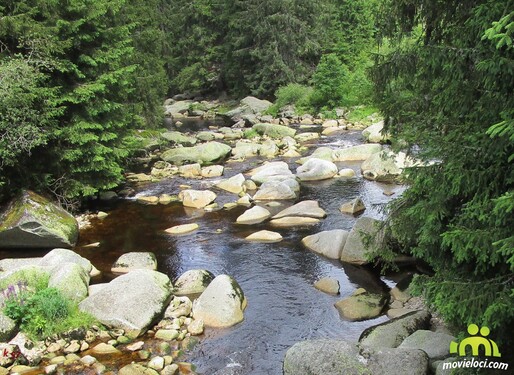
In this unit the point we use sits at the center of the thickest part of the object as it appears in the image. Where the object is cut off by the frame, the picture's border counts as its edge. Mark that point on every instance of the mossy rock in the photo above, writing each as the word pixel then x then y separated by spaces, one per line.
pixel 31 221
pixel 274 131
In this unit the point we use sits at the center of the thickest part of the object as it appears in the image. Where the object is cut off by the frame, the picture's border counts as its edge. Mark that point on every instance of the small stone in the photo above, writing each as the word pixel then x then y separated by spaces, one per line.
pixel 244 201
pixel 328 285
pixel 99 368
pixel 156 363
pixel 170 369
pixel 50 369
pixel 229 206
pixel 102 215
pixel 135 346
pixel 123 340
pixel 166 334
pixel 164 348
pixel 143 354
pixel 104 348
pixel 53 347
pixel 265 236
pixel 20 369
pixel 72 357
pixel 353 207
pixel 58 360
pixel 74 347
pixel 88 360
pixel 112 342
pixel 182 229
pixel 346 172
pixel 168 360
pixel 196 327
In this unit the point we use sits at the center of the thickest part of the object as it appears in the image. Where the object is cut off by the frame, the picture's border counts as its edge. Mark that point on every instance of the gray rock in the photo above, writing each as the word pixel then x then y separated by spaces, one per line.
pixel 71 280
pixel 244 150
pixel 31 221
pixel 55 258
pixel 327 243
pixel 206 153
pixel 308 208
pixel 178 138
pixel 274 131
pixel 134 261
pixel 435 344
pixel 264 236
pixel 32 351
pixel 316 169
pixel 323 357
pixel 221 304
pixel 233 184
pixel 306 137
pixel 269 149
pixel 392 333
pixel 374 133
pixel 8 328
pixel 131 302
pixel 255 105
pixel 10 264
pixel 362 305
pixel 190 170
pixel 386 166
pixel 387 361
pixel 276 190
pixel 193 282
pixel 212 171
pixel 254 215
pixel 274 171
pixel 328 285
pixel 353 207
pixel 180 306
pixel 196 198
pixel 205 136
pixel 359 152
pixel 354 250
pixel 178 107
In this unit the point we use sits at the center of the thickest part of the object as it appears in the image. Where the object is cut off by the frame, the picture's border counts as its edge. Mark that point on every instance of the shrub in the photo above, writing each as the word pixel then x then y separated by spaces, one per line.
pixel 44 312
pixel 292 94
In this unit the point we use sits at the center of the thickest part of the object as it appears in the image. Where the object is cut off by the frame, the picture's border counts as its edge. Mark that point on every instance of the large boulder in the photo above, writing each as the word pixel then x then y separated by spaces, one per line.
pixel 221 304
pixel 435 344
pixel 206 153
pixel 323 153
pixel 131 302
pixel 274 131
pixel 254 215
pixel 387 361
pixel 328 243
pixel 308 208
pixel 255 105
pixel 274 171
pixel 71 280
pixel 386 166
pixel 359 152
pixel 277 190
pixel 324 357
pixel 31 221
pixel 134 261
pixel 361 305
pixel 193 282
pixel 57 257
pixel 355 250
pixel 392 333
pixel 179 107
pixel 316 169
pixel 374 133
pixel 196 198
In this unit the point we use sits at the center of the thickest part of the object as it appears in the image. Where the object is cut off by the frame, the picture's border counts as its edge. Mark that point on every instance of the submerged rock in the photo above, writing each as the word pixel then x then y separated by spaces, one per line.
pixel 362 305
pixel 308 208
pixel 31 221
pixel 221 304
pixel 264 236
pixel 134 261
pixel 182 229
pixel 353 207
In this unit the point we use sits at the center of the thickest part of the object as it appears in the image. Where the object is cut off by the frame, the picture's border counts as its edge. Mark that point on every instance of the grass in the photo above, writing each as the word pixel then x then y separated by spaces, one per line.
pixel 363 115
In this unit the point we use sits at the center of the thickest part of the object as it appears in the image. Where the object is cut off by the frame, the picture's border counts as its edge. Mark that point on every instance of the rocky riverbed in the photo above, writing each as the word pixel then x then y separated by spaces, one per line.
pixel 247 237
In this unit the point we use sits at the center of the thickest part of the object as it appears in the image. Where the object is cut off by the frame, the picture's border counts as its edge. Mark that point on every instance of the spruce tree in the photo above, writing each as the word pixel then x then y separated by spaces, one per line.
pixel 445 88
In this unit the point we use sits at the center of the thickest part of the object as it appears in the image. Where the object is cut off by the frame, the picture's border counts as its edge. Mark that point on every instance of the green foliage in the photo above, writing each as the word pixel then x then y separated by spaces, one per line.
pixel 250 134
pixel 43 312
pixel 362 114
pixel 329 81
pixel 27 278
pixel 292 94
pixel 447 91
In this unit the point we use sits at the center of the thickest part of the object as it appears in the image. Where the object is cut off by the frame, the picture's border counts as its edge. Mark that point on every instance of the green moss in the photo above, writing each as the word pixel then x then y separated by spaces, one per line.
pixel 250 134
pixel 34 278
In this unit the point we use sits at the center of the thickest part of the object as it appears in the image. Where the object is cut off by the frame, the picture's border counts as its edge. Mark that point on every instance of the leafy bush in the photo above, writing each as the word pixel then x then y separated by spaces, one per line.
pixel 330 82
pixel 292 94
pixel 43 312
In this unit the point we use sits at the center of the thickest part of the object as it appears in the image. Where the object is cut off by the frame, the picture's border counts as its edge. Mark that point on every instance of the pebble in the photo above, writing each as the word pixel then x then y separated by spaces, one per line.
pixel 88 360
pixel 135 346
pixel 156 363
pixel 167 334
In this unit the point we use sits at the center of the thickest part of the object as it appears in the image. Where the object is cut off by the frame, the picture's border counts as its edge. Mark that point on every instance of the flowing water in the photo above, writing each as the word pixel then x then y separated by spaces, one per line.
pixel 277 279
